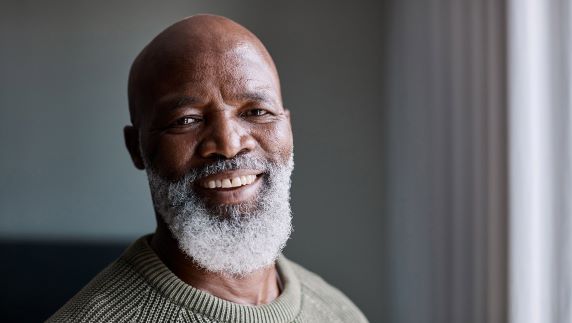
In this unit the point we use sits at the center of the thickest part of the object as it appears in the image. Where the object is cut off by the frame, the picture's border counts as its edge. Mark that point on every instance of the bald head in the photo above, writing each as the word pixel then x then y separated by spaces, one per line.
pixel 193 50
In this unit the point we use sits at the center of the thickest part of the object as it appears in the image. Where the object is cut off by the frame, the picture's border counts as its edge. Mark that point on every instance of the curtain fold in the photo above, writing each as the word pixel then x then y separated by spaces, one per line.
pixel 446 167
pixel 540 160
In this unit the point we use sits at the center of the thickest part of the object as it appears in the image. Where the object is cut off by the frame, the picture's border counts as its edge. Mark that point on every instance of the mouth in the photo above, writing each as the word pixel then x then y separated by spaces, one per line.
pixel 229 182
pixel 230 187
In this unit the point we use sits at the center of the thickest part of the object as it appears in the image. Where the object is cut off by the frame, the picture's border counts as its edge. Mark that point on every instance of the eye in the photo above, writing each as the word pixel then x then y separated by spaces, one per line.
pixel 255 113
pixel 185 121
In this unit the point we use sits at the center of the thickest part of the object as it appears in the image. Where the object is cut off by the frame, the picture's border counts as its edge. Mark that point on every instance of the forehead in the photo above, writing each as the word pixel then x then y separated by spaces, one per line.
pixel 229 72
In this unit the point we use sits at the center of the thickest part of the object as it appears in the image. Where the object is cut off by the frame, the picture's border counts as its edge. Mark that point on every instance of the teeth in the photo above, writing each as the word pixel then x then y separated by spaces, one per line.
pixel 226 183
pixel 230 182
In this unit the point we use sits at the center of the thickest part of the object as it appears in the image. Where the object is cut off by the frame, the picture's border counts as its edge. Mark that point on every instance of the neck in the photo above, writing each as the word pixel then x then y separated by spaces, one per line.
pixel 256 288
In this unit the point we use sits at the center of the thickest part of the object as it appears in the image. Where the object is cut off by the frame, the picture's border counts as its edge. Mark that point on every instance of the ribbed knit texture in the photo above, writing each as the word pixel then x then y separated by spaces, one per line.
pixel 138 287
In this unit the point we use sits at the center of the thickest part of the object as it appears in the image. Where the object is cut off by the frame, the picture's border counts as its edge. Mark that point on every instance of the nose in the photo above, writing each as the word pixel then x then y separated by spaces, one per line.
pixel 225 136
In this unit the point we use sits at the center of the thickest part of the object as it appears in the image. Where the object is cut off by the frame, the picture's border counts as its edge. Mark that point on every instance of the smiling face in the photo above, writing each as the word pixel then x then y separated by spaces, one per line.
pixel 210 129
pixel 209 99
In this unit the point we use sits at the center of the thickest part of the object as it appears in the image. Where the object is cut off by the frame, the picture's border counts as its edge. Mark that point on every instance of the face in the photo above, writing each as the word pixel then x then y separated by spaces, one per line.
pixel 217 146
pixel 215 107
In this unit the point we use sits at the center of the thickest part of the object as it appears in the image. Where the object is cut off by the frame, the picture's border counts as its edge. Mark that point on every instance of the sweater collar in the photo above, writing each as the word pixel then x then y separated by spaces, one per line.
pixel 283 309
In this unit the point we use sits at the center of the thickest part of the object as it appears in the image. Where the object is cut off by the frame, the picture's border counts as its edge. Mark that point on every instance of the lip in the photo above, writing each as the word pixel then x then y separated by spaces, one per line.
pixel 231 195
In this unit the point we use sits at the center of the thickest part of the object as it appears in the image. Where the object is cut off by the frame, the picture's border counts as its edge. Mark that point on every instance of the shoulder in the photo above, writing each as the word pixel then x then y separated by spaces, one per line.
pixel 319 295
pixel 113 295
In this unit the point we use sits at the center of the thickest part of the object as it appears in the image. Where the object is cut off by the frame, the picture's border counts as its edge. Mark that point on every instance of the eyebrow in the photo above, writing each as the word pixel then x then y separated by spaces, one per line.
pixel 259 96
pixel 178 102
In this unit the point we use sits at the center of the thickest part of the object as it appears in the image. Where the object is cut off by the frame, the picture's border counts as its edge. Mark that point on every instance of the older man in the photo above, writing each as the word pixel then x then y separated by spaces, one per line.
pixel 210 130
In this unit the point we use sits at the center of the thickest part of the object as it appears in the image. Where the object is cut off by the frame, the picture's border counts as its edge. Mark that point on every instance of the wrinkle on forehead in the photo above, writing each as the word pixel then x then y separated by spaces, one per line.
pixel 199 44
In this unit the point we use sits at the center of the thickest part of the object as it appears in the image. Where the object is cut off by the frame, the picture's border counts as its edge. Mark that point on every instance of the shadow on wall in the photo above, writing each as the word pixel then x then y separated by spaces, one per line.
pixel 39 277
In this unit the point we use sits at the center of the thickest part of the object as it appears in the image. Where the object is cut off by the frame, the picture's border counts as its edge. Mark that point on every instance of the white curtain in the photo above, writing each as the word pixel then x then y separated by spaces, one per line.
pixel 540 120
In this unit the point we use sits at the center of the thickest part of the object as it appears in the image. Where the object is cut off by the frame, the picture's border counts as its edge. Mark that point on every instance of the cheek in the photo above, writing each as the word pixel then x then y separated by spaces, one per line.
pixel 276 141
pixel 171 155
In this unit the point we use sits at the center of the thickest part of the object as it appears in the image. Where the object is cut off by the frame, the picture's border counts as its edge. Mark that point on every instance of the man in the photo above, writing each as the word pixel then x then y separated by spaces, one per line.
pixel 210 130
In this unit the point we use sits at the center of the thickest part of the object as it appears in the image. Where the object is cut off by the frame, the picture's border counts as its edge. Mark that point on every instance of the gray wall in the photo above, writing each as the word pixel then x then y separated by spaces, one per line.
pixel 66 175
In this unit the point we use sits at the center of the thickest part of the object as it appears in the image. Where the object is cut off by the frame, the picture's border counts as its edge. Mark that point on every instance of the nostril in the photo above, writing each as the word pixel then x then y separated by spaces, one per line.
pixel 216 157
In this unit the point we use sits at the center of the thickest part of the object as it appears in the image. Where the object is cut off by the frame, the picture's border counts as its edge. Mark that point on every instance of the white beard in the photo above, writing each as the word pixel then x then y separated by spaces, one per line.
pixel 233 239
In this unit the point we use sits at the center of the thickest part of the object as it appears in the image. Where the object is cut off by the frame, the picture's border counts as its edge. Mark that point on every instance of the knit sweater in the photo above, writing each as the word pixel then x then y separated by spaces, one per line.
pixel 138 287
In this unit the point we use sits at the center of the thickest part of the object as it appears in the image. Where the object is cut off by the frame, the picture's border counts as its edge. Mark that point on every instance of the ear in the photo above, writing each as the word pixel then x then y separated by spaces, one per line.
pixel 131 135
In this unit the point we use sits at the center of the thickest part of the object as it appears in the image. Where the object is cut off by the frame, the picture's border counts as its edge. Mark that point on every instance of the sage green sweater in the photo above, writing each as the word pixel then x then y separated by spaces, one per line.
pixel 138 287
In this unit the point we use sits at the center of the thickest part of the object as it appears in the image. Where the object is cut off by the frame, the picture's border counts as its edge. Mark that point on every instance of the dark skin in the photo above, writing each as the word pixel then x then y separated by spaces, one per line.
pixel 207 89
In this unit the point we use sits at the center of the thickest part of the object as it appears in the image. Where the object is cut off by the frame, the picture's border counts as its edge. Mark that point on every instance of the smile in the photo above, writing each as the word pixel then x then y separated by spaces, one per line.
pixel 230 182
pixel 231 187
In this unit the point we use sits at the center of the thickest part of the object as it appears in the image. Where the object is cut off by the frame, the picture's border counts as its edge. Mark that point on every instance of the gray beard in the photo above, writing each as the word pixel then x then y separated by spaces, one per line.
pixel 234 239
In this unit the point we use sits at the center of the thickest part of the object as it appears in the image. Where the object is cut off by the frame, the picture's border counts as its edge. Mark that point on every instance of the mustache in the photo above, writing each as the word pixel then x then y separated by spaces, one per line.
pixel 235 163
